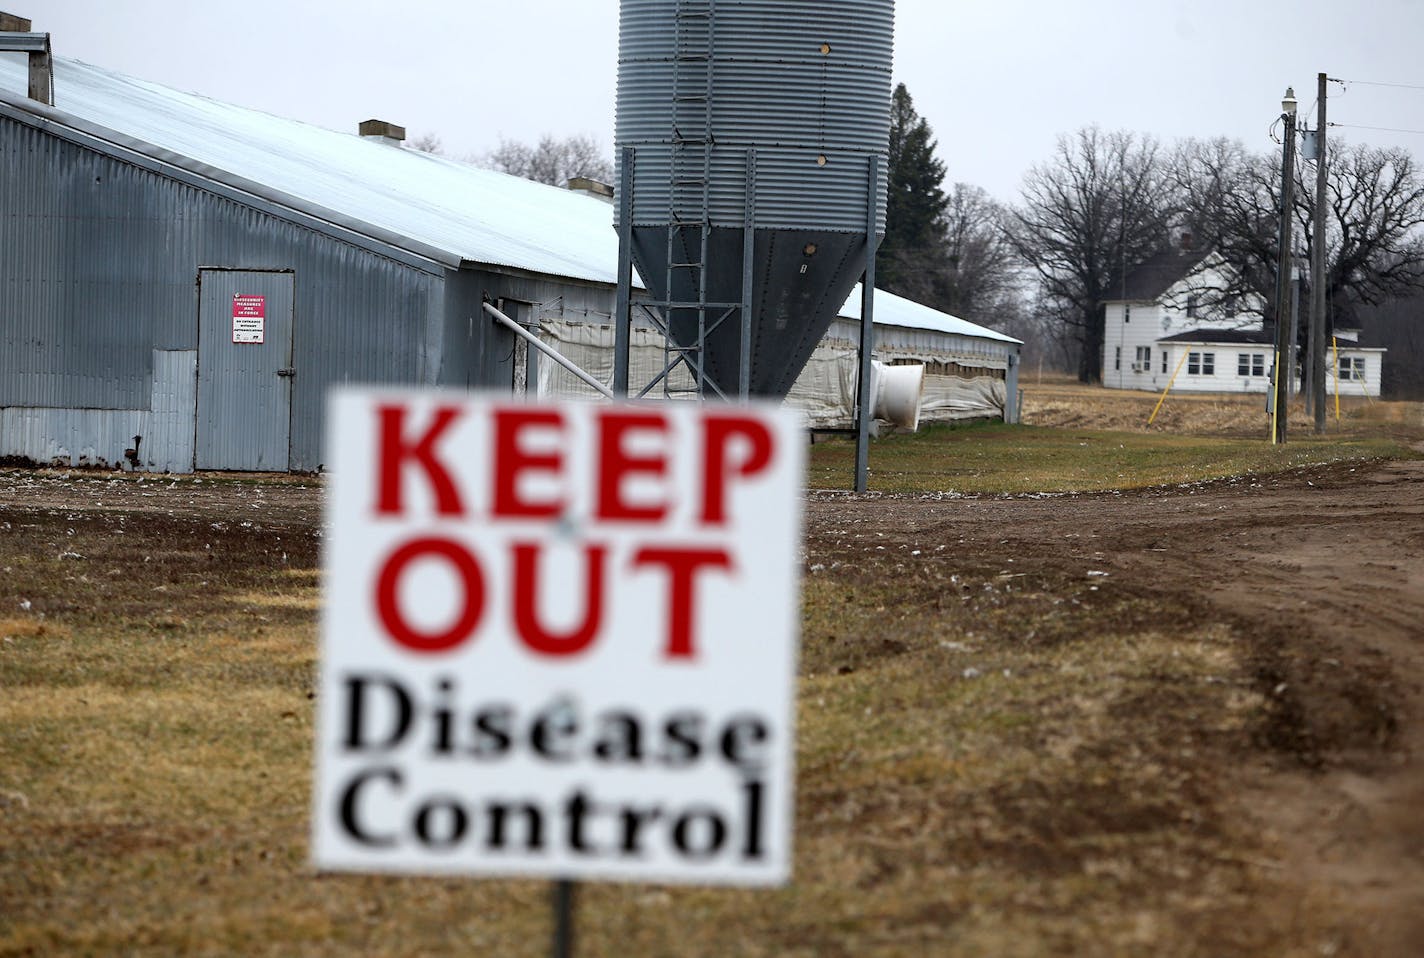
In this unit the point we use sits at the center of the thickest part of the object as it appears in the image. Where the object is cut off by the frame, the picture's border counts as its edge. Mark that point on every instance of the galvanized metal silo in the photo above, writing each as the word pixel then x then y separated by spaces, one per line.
pixel 752 139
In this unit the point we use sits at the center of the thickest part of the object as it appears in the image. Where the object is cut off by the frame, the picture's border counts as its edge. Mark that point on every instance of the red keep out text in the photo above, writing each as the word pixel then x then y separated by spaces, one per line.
pixel 683 567
pixel 733 449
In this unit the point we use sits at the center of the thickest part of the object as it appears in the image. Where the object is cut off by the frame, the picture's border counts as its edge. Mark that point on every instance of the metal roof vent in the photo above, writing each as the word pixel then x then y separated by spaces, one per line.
pixel 590 187
pixel 383 131
pixel 15 37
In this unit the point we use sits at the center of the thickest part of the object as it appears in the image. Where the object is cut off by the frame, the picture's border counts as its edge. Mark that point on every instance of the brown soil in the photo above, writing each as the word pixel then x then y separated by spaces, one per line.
pixel 1320 572
pixel 1317 573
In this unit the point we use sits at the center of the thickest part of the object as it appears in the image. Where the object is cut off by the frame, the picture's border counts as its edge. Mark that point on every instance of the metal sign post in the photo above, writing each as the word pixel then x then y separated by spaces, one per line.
pixel 864 398
pixel 564 892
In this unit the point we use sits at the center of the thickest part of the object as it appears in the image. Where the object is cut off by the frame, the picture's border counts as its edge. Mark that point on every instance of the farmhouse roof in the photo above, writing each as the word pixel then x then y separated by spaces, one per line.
pixel 1148 280
pixel 435 208
pixel 1245 336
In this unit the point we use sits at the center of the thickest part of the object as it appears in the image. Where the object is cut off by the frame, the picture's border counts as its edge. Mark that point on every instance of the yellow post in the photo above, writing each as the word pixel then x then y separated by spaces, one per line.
pixel 1169 387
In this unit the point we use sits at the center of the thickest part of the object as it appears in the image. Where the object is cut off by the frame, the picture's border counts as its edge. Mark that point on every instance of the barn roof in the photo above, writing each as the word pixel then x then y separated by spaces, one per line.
pixel 441 209
pixel 448 210
pixel 892 310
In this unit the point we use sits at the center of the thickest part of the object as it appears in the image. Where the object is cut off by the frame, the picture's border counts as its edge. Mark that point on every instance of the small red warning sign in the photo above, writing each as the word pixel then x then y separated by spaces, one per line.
pixel 249 319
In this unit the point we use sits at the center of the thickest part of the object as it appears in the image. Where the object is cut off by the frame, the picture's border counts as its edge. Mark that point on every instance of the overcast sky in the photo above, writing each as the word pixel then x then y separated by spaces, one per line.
pixel 998 80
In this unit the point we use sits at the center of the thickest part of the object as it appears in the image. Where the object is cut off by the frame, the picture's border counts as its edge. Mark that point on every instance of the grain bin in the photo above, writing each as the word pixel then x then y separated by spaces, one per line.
pixel 763 116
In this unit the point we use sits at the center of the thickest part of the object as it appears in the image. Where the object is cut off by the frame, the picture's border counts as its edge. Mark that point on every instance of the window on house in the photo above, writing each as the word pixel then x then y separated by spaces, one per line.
pixel 1117 357
pixel 1208 364
pixel 1201 364
pixel 1143 363
pixel 1250 364
pixel 1191 307
pixel 1164 360
pixel 1193 364
pixel 1352 368
pixel 1127 314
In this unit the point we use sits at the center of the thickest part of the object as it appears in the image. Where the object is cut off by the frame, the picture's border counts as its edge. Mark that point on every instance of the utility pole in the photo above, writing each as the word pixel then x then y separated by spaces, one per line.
pixel 1318 293
pixel 1285 335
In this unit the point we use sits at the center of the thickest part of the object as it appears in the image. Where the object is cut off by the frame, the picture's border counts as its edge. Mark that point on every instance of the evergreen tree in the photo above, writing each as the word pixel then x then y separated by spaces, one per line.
pixel 915 205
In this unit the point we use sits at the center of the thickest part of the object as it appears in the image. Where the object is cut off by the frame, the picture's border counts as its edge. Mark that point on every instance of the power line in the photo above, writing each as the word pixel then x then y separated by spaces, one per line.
pixel 1380 129
pixel 1397 86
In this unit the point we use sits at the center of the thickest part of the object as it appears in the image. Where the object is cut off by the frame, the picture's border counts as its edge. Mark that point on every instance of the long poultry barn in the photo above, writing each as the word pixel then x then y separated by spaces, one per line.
pixel 184 279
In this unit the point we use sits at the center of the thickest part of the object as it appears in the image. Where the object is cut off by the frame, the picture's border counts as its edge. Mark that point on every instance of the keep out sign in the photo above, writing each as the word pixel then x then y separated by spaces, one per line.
pixel 558 640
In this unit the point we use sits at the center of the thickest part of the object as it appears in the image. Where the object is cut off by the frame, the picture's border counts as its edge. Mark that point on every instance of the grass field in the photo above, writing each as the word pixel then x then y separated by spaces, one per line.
pixel 1078 438
pixel 994 459
pixel 991 756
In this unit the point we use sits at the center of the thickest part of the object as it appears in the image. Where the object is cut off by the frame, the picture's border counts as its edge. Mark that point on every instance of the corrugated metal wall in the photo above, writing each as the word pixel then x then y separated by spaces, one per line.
pixel 806 85
pixel 99 275
pixel 805 82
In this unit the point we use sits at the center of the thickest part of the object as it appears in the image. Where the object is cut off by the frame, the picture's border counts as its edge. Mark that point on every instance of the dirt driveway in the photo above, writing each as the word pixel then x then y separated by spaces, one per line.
pixel 1321 572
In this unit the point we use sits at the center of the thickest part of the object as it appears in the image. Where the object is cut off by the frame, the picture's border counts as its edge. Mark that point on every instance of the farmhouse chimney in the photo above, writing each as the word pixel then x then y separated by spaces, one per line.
pixel 15 37
pixel 382 131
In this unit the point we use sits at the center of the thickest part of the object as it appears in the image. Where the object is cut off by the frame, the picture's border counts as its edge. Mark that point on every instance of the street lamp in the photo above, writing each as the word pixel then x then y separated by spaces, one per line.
pixel 1284 330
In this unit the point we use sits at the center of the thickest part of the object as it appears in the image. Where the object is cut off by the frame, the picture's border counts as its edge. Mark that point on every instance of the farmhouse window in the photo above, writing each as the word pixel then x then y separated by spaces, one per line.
pixel 1117 357
pixel 1352 368
pixel 1164 360
pixel 1201 364
pixel 1143 362
pixel 1127 314
pixel 1250 364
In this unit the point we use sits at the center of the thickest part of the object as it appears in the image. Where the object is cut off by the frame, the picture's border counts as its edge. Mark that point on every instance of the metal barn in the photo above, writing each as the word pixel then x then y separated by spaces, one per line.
pixel 181 280
pixel 144 230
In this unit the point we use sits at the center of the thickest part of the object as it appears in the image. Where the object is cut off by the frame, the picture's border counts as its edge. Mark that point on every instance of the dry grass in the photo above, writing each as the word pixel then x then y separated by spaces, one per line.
pixel 968 774
pixel 994 758
pixel 1061 402
pixel 1085 438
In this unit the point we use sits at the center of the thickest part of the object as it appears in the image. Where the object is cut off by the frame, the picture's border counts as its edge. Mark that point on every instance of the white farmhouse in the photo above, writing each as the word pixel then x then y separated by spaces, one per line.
pixel 1179 318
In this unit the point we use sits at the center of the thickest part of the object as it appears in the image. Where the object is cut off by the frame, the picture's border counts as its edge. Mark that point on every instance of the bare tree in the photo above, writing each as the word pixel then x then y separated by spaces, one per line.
pixel 1395 325
pixel 1374 246
pixel 1375 237
pixel 553 161
pixel 1102 204
pixel 980 277
pixel 427 143
pixel 1230 202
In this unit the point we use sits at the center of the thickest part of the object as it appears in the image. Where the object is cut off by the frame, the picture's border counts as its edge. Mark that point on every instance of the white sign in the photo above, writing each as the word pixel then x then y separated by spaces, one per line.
pixel 559 640
pixel 249 319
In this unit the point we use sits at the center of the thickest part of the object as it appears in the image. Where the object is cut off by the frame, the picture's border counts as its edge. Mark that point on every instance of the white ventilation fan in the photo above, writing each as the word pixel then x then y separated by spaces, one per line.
pixel 896 393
